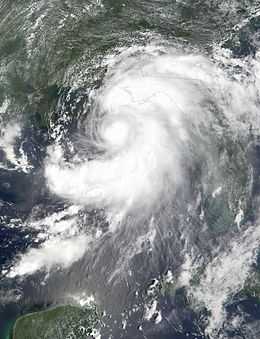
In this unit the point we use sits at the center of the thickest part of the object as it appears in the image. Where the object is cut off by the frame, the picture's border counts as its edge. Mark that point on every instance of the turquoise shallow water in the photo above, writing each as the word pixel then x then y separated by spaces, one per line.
pixel 7 332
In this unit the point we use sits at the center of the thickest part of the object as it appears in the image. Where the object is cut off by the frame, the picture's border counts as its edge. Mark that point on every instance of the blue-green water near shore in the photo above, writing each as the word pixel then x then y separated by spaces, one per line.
pixel 8 330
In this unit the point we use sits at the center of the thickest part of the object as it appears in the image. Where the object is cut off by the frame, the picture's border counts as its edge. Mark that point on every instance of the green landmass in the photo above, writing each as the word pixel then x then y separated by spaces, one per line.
pixel 252 286
pixel 62 322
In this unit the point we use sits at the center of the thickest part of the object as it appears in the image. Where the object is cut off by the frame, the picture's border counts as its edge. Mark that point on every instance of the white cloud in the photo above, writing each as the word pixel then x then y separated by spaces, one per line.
pixel 54 252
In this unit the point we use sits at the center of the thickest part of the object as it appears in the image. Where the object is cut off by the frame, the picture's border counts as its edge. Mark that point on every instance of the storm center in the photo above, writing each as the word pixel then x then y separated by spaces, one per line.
pixel 115 132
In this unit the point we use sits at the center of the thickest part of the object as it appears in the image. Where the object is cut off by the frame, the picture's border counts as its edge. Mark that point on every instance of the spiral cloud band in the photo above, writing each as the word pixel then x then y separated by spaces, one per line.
pixel 143 124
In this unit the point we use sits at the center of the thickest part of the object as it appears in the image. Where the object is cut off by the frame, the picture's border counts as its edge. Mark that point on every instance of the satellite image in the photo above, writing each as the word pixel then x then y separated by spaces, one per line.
pixel 129 169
